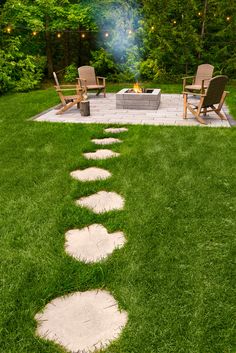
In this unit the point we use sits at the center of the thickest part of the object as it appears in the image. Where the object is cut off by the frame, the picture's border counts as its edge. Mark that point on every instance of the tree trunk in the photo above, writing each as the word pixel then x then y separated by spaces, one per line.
pixel 203 25
pixel 85 108
pixel 48 48
pixel 66 49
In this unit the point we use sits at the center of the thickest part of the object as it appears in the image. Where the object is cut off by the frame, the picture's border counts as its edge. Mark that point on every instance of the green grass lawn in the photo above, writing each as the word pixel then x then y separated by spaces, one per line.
pixel 174 276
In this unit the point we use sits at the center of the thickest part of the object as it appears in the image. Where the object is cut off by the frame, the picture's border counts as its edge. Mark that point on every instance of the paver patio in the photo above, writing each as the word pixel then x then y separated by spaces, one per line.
pixel 103 110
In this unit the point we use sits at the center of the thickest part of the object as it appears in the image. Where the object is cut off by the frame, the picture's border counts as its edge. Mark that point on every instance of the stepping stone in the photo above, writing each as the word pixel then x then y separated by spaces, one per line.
pixel 106 141
pixel 90 174
pixel 101 154
pixel 116 130
pixel 82 321
pixel 93 243
pixel 102 201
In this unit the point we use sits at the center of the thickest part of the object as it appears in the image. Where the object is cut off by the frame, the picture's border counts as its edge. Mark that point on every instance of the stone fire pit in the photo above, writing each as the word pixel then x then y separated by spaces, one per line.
pixel 147 100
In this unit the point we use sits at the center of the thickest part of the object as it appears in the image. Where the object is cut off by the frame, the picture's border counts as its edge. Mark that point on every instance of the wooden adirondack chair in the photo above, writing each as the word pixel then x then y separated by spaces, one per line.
pixel 201 80
pixel 215 95
pixel 89 81
pixel 69 101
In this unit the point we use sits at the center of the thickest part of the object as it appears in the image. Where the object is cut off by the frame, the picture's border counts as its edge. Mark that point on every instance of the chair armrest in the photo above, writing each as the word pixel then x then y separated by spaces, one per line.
pixel 81 80
pixel 82 86
pixel 65 86
pixel 101 78
pixel 61 88
pixel 194 94
pixel 185 80
pixel 187 77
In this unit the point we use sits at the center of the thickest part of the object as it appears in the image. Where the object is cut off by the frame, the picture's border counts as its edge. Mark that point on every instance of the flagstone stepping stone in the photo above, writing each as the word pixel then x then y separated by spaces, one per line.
pixel 92 243
pixel 101 154
pixel 106 141
pixel 101 202
pixel 82 321
pixel 90 174
pixel 116 130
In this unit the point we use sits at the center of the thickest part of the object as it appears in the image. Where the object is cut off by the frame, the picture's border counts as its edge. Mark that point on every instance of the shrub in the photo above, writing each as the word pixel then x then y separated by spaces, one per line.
pixel 103 62
pixel 19 71
pixel 71 73
pixel 30 71
pixel 150 70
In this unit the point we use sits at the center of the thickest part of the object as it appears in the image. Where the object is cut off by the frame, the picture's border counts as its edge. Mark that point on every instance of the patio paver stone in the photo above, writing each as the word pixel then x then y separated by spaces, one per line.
pixel 101 202
pixel 101 154
pixel 90 174
pixel 92 243
pixel 82 321
pixel 106 141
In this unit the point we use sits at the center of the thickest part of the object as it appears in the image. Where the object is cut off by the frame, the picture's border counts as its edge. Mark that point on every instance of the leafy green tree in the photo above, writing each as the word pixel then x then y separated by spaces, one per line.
pixel 47 17
pixel 19 71
pixel 180 35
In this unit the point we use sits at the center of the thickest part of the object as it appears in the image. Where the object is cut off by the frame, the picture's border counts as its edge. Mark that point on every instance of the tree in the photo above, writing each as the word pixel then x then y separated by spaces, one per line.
pixel 188 33
pixel 47 17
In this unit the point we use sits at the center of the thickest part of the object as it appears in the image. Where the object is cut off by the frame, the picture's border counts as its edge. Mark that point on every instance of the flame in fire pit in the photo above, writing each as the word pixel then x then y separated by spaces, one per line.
pixel 137 88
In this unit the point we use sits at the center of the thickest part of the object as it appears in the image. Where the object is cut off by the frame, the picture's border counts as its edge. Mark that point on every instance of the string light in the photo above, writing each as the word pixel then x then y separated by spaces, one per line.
pixel 83 35
pixel 8 29
pixel 228 18
pixel 106 34
pixel 130 32
pixel 174 22
pixel 199 13
pixel 58 35
pixel 34 33
pixel 152 28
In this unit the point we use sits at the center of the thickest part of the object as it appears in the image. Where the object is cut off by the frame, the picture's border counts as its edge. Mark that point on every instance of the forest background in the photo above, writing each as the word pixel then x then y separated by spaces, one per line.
pixel 124 40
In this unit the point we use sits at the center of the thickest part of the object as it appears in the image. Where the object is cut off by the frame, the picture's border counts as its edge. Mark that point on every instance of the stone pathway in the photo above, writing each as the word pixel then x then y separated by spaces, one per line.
pixel 102 202
pixel 90 174
pixel 106 141
pixel 82 322
pixel 115 130
pixel 103 111
pixel 88 321
pixel 92 243
pixel 101 154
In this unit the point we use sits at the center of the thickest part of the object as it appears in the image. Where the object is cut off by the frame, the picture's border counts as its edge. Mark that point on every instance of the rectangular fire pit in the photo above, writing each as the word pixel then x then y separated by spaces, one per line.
pixel 147 100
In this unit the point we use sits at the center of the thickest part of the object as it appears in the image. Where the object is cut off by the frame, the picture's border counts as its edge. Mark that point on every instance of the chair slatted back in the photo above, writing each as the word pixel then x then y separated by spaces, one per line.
pixel 215 91
pixel 88 73
pixel 204 72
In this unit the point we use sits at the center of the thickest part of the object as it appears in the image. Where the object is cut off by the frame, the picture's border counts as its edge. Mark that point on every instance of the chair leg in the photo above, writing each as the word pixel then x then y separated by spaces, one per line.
pixel 198 112
pixel 104 91
pixel 222 116
pixel 98 92
pixel 197 115
pixel 69 105
pixel 217 111
pixel 185 106
pixel 200 120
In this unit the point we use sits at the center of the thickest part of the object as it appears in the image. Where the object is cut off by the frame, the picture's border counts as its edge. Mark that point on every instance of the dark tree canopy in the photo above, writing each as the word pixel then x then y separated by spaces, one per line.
pixel 130 39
